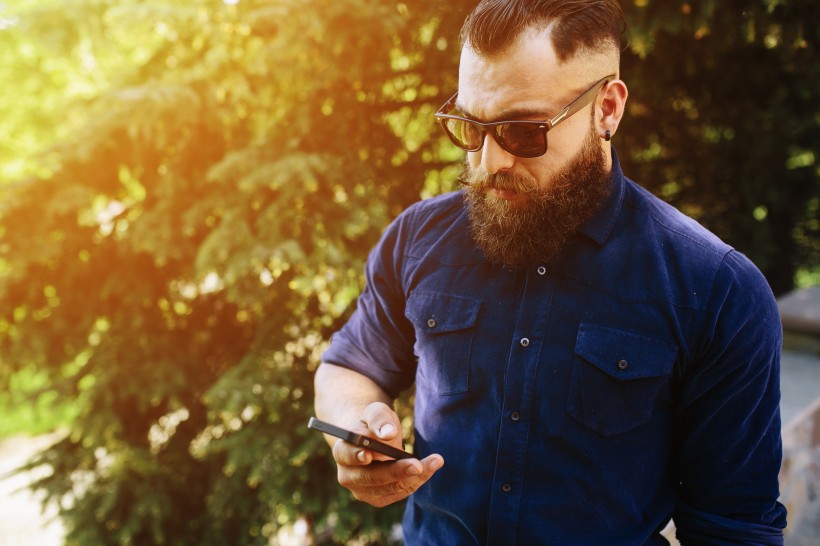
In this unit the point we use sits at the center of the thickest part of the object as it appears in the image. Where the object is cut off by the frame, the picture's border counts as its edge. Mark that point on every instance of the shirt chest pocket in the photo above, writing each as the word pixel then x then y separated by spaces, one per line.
pixel 618 378
pixel 444 326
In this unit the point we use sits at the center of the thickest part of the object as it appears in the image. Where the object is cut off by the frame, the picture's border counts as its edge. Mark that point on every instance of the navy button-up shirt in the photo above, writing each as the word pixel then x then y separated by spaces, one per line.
pixel 584 401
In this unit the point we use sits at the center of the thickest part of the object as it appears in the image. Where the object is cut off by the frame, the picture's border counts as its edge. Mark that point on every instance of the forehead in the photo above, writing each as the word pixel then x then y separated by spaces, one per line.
pixel 526 79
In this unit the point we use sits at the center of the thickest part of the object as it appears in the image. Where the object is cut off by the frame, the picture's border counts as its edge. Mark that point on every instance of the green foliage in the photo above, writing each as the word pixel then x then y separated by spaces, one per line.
pixel 181 251
pixel 30 405
pixel 203 181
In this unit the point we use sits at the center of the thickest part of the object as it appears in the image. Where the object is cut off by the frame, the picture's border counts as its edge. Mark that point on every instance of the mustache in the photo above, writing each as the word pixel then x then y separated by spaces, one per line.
pixel 478 180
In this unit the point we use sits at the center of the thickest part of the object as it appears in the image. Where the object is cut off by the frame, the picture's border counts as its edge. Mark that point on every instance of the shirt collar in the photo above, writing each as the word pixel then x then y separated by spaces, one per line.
pixel 600 225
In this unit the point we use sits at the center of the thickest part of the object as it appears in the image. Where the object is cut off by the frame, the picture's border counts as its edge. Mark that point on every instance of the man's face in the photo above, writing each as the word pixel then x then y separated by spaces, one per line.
pixel 524 210
pixel 535 224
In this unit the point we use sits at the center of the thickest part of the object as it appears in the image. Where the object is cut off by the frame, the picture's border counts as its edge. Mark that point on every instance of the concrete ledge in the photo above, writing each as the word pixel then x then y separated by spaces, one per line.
pixel 800 311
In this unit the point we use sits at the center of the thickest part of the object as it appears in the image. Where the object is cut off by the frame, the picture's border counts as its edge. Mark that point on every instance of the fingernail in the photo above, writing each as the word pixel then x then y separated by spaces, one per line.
pixel 413 470
pixel 387 430
pixel 435 464
pixel 362 456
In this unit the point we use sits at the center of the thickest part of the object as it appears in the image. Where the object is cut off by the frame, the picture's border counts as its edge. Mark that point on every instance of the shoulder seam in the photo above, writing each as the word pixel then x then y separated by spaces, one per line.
pixel 721 249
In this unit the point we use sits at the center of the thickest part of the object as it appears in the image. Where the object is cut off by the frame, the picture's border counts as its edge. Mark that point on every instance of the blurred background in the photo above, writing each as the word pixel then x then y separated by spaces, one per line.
pixel 188 192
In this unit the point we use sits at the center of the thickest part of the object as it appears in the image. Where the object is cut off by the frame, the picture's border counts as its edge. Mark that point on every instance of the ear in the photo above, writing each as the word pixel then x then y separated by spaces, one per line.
pixel 611 106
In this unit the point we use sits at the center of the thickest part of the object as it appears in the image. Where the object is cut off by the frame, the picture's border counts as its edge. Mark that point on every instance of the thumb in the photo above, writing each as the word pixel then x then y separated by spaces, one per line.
pixel 381 420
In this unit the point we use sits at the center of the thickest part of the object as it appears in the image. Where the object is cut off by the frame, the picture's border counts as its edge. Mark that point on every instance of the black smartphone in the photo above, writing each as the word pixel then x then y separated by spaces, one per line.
pixel 358 439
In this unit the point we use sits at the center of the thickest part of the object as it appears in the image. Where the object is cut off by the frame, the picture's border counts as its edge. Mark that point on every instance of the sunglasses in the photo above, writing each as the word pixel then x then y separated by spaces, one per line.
pixel 520 138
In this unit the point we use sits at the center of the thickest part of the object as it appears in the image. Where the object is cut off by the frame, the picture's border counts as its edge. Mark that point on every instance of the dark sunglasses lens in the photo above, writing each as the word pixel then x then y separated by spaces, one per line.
pixel 523 139
pixel 464 134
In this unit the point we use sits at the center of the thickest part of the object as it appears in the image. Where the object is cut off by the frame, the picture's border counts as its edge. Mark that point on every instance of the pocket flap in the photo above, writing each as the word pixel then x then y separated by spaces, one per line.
pixel 624 355
pixel 437 313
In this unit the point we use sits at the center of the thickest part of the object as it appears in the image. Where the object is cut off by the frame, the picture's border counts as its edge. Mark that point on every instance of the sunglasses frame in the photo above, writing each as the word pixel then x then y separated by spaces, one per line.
pixel 442 115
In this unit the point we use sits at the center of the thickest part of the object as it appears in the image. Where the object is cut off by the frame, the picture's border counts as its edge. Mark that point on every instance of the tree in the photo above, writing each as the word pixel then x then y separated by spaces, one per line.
pixel 179 257
pixel 178 254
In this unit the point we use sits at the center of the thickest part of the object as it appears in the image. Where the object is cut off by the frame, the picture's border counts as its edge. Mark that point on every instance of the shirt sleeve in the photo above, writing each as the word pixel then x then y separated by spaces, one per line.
pixel 378 339
pixel 730 444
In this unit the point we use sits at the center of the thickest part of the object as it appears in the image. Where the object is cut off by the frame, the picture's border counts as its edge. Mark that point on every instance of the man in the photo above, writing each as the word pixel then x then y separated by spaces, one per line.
pixel 588 361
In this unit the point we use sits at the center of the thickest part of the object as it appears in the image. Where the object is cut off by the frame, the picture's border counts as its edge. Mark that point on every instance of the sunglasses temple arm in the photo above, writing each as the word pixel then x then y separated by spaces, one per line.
pixel 580 102
pixel 449 105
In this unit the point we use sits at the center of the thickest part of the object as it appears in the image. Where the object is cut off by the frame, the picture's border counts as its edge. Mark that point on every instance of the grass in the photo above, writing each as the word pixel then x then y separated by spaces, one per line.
pixel 30 408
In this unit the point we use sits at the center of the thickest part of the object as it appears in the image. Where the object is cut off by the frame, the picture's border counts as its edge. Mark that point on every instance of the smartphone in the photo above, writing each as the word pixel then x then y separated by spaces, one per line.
pixel 358 439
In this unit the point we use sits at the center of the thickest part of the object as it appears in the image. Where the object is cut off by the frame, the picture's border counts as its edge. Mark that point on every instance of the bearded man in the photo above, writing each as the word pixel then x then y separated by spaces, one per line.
pixel 590 362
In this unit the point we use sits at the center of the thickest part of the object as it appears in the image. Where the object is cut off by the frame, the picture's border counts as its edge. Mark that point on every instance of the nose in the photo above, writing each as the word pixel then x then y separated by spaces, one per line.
pixel 493 157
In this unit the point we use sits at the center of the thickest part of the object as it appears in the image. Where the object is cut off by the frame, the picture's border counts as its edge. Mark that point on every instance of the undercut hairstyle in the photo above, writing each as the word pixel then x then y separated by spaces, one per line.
pixel 593 25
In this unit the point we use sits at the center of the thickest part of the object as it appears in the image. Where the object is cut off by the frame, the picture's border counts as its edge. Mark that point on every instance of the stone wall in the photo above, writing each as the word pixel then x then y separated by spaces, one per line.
pixel 800 472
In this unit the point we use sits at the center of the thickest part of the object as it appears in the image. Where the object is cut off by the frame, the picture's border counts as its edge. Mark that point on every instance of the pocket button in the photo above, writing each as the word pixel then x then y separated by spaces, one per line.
pixel 623 365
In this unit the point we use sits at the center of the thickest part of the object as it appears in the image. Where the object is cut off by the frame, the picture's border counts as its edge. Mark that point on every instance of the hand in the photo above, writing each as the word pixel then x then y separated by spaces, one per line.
pixel 381 483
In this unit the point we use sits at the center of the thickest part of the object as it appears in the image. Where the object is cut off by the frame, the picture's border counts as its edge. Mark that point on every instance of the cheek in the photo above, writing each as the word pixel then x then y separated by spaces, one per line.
pixel 561 151
pixel 567 139
pixel 548 168
pixel 474 159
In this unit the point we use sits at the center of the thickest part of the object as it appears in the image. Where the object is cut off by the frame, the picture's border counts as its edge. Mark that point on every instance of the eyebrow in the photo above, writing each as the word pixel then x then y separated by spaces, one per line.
pixel 508 115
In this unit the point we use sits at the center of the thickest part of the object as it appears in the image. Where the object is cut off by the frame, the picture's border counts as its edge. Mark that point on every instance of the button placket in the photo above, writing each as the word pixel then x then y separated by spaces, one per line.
pixel 519 400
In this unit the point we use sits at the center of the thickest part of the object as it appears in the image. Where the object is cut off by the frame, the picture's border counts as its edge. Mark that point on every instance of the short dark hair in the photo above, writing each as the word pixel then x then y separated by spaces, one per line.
pixel 494 25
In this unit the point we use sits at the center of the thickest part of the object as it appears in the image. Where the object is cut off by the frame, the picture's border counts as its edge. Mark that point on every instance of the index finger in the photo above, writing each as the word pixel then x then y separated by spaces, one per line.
pixel 347 454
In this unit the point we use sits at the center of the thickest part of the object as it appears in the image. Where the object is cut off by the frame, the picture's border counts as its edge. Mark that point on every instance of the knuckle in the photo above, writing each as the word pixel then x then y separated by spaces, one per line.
pixel 357 477
pixel 377 502
pixel 369 478
pixel 344 478
pixel 400 489
pixel 408 489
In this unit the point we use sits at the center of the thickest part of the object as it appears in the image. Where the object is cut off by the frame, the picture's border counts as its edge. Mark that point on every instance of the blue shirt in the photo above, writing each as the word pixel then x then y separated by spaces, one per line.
pixel 584 401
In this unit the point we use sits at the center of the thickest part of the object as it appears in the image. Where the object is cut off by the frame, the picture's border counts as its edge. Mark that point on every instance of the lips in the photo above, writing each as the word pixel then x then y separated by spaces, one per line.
pixel 505 194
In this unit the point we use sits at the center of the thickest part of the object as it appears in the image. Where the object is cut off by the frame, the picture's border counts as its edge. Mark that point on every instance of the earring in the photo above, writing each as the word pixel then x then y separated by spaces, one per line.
pixel 607 135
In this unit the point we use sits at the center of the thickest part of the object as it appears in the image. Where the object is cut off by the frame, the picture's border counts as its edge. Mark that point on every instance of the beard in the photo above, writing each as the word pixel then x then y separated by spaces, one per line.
pixel 519 234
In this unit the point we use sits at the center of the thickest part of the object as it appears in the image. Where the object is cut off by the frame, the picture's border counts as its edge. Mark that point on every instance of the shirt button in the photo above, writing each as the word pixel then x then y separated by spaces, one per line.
pixel 431 323
pixel 542 270
pixel 525 342
pixel 506 488
pixel 623 365
pixel 515 416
